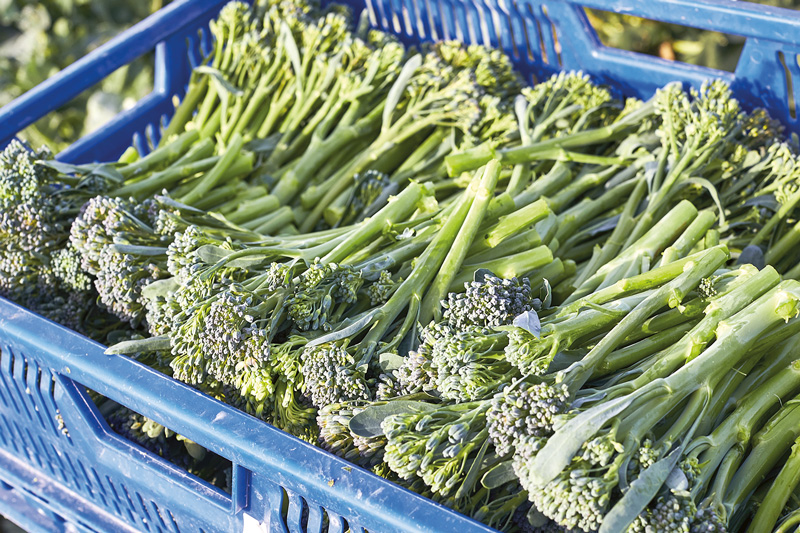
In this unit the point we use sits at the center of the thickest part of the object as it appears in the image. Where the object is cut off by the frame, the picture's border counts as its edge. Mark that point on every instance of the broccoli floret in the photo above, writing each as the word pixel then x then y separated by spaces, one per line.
pixel 491 301
pixel 518 414
pixel 470 363
pixel 672 512
pixel 435 445
pixel 330 375
pixel 336 437
pixel 581 494
pixel 371 192
pixel 312 304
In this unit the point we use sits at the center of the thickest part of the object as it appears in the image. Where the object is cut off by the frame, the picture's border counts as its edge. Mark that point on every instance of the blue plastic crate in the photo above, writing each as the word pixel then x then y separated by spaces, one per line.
pixel 63 469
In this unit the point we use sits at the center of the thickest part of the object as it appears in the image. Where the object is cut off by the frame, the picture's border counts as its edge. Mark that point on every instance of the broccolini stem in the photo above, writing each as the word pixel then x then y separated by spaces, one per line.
pixel 431 303
pixel 188 165
pixel 735 337
pixel 183 114
pixel 719 309
pixel 579 187
pixel 163 155
pixel 672 294
pixel 270 223
pixel 507 267
pixel 768 447
pixel 212 177
pixel 787 243
pixel 617 238
pixel 557 178
pixel 322 195
pixel 554 272
pixel 476 158
pixel 693 234
pixel 645 281
pixel 416 284
pixel 647 247
pixel 395 211
pixel 310 162
pixel 779 493
pixel 510 225
pixel 638 351
pixel 421 155
pixel 784 210
pixel 524 240
pixel 779 350
pixel 255 207
pixel 572 220
pixel 210 128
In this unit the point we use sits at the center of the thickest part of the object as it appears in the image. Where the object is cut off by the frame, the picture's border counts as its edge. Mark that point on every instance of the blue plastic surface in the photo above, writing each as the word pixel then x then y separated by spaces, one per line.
pixel 63 469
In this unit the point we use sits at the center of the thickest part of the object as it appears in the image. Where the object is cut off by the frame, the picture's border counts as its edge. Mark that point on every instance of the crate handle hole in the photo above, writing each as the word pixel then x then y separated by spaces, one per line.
pixel 671 42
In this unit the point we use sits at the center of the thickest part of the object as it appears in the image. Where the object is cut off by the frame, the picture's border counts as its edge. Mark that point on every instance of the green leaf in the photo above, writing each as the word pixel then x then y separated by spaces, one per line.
pixel 290 46
pixel 348 331
pixel 390 361
pixel 752 158
pixel 521 111
pixel 499 475
pixel 367 423
pixel 562 447
pixel 133 249
pixel 529 321
pixel 546 294
pixel 264 146
pixel 640 493
pixel 213 254
pixel 481 274
pixel 105 170
pixel 398 88
pixel 753 255
pixel 153 344
pixel 169 202
pixel 160 288
pixel 536 518
pixel 224 87
pixel 712 191
pixel 473 473
pixel 194 449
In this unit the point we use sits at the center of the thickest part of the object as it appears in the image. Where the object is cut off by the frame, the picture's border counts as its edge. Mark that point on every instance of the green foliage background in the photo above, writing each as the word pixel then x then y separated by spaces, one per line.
pixel 39 38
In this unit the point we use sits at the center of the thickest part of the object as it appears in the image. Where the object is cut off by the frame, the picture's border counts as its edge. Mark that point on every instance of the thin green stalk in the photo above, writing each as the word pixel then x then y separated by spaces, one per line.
pixel 672 293
pixel 696 231
pixel 572 220
pixel 184 111
pixel 783 486
pixel 510 225
pixel 786 244
pixel 509 266
pixel 276 221
pixel 554 272
pixel 646 249
pixel 163 155
pixel 472 159
pixel 524 240
pixel 431 303
pixel 786 207
pixel 254 208
pixel 768 447
pixel 212 177
pixel 614 243
pixel 198 159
